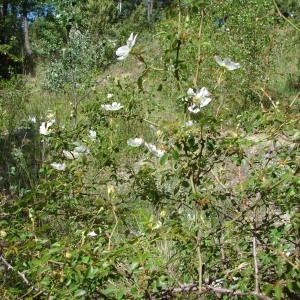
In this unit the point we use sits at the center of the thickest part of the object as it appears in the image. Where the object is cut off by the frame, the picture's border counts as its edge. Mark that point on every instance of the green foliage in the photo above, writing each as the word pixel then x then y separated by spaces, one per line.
pixel 47 35
pixel 13 98
pixel 102 15
pixel 76 64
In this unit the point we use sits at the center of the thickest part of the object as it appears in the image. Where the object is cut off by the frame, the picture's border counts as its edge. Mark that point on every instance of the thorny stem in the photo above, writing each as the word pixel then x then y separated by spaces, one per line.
pixel 111 195
pixel 176 71
pixel 255 266
pixel 115 227
pixel 199 49
pixel 75 100
pixel 200 262
pixel 111 130
pixel 199 255
pixel 256 275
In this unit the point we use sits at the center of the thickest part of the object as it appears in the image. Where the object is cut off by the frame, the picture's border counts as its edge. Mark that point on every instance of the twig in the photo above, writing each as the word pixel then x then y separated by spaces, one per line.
pixel 256 275
pixel 199 255
pixel 199 48
pixel 270 98
pixel 21 275
pixel 193 287
pixel 75 99
pixel 294 99
pixel 281 15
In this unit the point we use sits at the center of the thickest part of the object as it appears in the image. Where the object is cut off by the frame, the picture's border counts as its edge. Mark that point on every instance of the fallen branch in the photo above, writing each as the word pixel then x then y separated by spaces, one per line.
pixel 21 275
pixel 193 287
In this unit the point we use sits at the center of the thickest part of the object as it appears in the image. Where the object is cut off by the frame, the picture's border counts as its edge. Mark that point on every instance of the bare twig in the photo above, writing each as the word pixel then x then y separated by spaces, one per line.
pixel 21 275
pixel 199 49
pixel 281 15
pixel 256 275
pixel 75 99
pixel 270 98
pixel 294 99
pixel 193 287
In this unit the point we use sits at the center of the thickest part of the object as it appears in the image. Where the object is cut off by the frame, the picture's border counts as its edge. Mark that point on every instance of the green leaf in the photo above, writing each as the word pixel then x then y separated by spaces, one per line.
pixel 133 265
pixel 278 291
pixel 85 259
pixel 175 154
pixel 110 290
pixel 90 272
pixel 36 261
pixel 79 293
pixel 54 250
pixel 185 184
pixel 120 294
pixel 163 160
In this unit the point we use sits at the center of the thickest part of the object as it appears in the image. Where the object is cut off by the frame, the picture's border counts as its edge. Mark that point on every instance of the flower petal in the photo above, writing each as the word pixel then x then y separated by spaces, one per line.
pixel 81 149
pixel 122 51
pixel 230 65
pixel 92 134
pixel 203 92
pixel 70 154
pixel 189 123
pixel 153 150
pixel 194 108
pixel 191 92
pixel 133 42
pixel 219 60
pixel 58 166
pixel 204 101
pixel 112 107
pixel 130 39
pixel 136 142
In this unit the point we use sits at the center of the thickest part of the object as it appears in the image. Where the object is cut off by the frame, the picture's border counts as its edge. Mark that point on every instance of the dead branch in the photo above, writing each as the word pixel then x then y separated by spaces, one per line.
pixel 21 275
pixel 193 287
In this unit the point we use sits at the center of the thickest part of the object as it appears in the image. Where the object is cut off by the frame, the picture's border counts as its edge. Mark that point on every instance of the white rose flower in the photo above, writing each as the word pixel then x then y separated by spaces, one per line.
pixel 152 148
pixel 92 134
pixel 81 149
pixel 58 166
pixel 194 108
pixel 227 63
pixel 123 51
pixel 189 123
pixel 92 234
pixel 70 154
pixel 136 142
pixel 112 107
pixel 201 98
pixel 45 128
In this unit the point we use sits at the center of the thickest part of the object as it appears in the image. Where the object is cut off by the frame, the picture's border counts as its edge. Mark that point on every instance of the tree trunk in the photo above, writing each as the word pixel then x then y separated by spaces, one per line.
pixel 3 9
pixel 29 66
pixel 150 9
pixel 120 6
pixel 26 35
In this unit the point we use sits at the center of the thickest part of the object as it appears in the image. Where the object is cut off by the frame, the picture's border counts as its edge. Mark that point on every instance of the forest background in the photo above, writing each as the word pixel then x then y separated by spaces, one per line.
pixel 171 172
